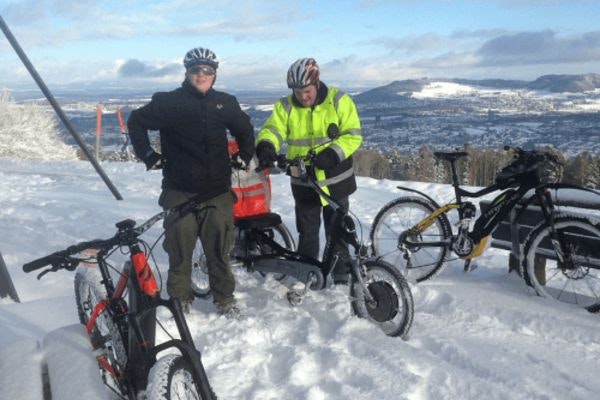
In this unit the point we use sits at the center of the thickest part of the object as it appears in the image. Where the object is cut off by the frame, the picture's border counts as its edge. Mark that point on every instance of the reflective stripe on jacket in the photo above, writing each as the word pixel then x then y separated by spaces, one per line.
pixel 303 128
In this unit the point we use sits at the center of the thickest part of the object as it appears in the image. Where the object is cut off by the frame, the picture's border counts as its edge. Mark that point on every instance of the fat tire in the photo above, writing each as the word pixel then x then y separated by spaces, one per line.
pixel 89 291
pixel 384 238
pixel 166 375
pixel 379 272
pixel 549 280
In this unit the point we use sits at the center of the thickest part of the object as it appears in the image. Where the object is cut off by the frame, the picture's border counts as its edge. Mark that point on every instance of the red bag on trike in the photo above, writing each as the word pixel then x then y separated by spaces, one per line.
pixel 253 189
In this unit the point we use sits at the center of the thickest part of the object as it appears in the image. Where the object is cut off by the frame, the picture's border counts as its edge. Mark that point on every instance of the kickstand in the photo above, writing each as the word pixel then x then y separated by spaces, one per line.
pixel 468 267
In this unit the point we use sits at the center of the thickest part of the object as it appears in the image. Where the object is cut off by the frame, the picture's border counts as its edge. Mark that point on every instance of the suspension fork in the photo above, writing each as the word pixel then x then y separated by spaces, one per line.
pixel 357 270
pixel 547 207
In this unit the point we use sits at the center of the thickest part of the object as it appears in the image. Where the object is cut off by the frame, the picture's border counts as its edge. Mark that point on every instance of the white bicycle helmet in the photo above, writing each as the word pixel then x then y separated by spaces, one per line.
pixel 303 72
pixel 199 56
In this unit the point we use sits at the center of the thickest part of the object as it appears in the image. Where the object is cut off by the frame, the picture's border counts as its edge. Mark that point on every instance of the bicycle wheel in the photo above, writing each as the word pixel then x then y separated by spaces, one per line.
pixel 396 218
pixel 575 280
pixel 171 377
pixel 200 283
pixel 105 334
pixel 392 307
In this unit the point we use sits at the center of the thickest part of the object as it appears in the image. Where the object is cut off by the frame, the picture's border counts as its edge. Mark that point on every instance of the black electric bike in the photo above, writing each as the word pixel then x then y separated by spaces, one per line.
pixel 378 291
pixel 121 319
pixel 414 234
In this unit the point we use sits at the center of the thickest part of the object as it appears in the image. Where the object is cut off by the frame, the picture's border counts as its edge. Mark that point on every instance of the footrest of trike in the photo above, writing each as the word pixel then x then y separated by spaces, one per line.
pixel 302 271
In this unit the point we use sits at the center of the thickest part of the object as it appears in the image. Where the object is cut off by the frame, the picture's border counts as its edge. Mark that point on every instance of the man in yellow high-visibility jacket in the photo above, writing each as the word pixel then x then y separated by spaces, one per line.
pixel 301 120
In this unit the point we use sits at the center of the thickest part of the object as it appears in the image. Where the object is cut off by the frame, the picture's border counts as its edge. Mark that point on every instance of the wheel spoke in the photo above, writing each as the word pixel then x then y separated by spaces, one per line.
pixel 575 280
pixel 398 217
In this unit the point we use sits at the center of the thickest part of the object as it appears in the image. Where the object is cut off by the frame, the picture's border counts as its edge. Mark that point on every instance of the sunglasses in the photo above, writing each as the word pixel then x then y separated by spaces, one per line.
pixel 202 69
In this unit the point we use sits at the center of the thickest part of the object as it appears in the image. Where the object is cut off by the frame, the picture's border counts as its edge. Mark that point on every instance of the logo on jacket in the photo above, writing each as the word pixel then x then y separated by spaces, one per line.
pixel 219 106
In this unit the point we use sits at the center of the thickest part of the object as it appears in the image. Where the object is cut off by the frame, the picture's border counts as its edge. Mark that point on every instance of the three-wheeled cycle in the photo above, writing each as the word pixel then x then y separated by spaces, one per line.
pixel 378 291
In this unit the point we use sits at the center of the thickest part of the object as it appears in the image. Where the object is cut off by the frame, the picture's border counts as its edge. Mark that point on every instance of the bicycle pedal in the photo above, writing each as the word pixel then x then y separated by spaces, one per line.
pixel 295 298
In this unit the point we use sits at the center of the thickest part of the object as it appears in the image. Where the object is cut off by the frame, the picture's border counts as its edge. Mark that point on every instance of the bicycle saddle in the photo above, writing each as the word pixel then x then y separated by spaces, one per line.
pixel 452 156
pixel 258 221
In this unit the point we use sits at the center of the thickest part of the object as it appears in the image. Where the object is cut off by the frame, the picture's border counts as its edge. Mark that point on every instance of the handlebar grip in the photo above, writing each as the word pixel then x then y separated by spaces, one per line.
pixel 41 262
pixel 61 256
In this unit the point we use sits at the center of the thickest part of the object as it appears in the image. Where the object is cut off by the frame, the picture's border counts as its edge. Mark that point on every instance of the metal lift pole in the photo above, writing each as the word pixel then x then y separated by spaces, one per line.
pixel 57 108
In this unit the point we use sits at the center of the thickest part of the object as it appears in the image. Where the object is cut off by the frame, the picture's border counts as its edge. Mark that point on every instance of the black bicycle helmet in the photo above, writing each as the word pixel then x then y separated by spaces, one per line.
pixel 303 72
pixel 199 56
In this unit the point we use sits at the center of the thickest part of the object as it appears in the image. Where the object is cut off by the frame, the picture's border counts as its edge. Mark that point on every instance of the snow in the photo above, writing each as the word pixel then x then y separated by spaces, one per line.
pixel 68 353
pixel 561 102
pixel 481 335
pixel 440 89
pixel 264 107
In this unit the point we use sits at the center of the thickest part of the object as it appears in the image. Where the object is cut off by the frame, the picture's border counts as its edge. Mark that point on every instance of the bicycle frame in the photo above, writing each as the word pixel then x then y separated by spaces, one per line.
pixel 135 321
pixel 301 266
pixel 343 231
pixel 491 218
pixel 138 320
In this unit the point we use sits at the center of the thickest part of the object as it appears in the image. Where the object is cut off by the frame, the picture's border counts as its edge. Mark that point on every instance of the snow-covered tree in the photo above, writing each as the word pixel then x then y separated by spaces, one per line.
pixel 28 131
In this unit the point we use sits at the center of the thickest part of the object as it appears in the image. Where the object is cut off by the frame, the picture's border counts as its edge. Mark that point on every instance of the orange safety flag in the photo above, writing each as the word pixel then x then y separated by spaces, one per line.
pixel 120 118
pixel 253 189
pixel 99 120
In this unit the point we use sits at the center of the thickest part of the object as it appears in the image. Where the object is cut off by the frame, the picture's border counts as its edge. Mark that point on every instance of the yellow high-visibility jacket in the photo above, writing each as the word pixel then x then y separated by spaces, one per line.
pixel 303 128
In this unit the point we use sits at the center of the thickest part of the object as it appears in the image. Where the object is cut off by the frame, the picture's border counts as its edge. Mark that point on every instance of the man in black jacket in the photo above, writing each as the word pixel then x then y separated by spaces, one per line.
pixel 193 121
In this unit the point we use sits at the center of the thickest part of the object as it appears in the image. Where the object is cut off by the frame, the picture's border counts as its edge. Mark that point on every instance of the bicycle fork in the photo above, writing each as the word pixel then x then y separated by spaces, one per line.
pixel 359 271
pixel 547 207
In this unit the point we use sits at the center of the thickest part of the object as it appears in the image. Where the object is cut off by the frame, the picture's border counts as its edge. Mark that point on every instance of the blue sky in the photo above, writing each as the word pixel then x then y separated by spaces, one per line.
pixel 358 44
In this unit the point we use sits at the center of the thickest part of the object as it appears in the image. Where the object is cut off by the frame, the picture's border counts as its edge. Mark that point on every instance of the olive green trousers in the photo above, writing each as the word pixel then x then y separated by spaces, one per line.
pixel 212 222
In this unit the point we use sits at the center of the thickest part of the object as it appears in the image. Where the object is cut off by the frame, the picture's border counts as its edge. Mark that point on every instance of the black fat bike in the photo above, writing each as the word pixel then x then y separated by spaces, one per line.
pixel 121 319
pixel 558 257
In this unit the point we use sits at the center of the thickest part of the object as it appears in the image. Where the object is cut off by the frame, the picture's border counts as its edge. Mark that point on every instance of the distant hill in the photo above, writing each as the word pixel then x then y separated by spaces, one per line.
pixel 566 83
pixel 392 92
pixel 492 83
pixel 399 90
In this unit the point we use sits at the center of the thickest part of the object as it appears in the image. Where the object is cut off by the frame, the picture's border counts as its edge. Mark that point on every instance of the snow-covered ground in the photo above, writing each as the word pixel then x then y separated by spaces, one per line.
pixel 561 102
pixel 482 335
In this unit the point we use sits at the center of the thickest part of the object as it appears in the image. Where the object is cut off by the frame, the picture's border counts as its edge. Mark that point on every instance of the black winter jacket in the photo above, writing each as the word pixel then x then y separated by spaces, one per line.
pixel 193 136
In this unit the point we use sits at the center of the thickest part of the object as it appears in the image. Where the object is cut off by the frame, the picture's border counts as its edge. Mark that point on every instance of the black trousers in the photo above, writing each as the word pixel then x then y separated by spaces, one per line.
pixel 308 210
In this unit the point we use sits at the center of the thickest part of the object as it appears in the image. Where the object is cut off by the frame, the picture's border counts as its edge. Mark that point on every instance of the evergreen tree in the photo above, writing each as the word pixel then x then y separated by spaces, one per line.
pixel 577 169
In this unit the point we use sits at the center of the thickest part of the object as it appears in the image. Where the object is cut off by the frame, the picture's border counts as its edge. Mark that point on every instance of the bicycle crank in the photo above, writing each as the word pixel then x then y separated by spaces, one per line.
pixel 296 296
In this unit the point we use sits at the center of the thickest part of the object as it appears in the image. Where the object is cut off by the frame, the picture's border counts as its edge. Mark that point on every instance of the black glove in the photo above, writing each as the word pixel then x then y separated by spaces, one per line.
pixel 238 161
pixel 326 159
pixel 266 154
pixel 153 161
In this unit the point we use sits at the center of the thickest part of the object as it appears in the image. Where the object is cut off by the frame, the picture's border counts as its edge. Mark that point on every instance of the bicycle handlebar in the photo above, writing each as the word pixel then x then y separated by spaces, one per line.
pixel 127 234
pixel 44 261
pixel 61 259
